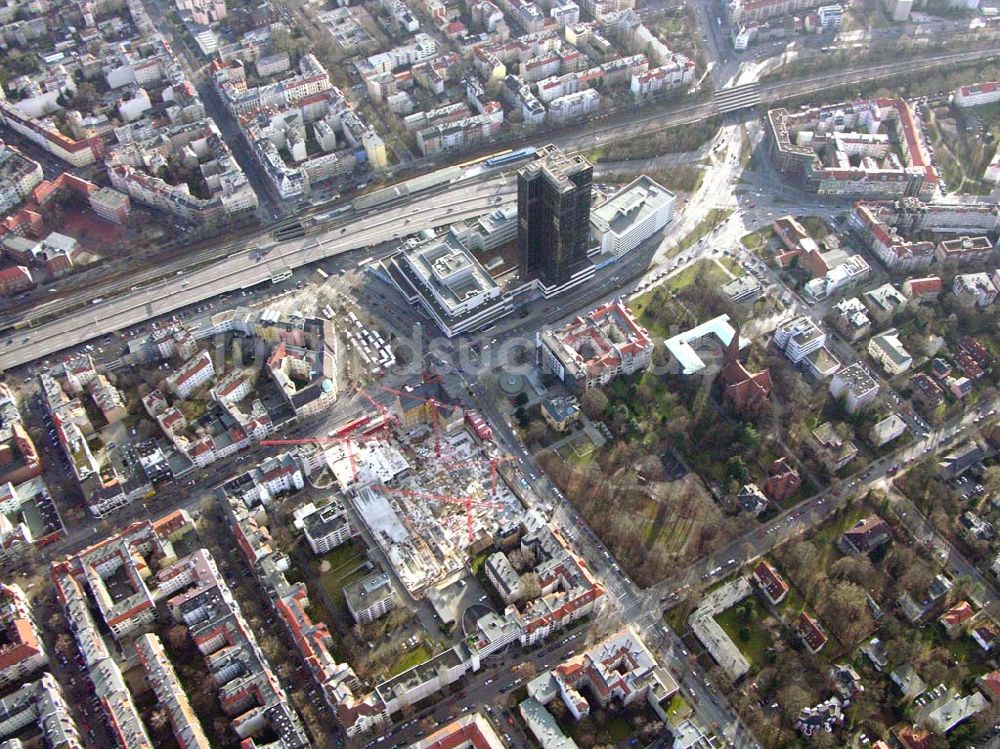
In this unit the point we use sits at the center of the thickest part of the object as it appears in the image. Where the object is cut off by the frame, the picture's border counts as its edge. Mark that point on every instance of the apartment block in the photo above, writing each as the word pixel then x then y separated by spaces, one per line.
pixel 963 251
pixel 195 372
pixel 19 176
pixel 856 385
pixel 21 649
pixel 42 704
pixel 618 671
pixel 858 134
pixel 369 598
pixel 249 692
pixel 503 577
pixel 889 352
pixel 798 338
pixel 884 302
pixel 326 527
pixel 920 290
pixel 357 713
pixel 851 319
pixel 974 289
pixel 105 677
pixel 170 694
pixel 594 349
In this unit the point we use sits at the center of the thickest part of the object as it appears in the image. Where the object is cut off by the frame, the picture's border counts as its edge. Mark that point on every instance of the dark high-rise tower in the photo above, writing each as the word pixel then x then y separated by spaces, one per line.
pixel 553 216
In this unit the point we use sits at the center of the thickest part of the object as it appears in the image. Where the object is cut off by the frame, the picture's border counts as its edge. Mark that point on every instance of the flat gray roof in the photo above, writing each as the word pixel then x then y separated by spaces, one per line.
pixel 631 205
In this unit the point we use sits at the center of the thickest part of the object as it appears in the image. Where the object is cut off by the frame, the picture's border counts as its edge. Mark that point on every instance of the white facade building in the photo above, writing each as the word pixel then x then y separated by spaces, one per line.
pixel 192 375
pixel 632 215
pixel 369 598
pixel 889 352
pixel 978 95
pixel 798 338
pixel 856 385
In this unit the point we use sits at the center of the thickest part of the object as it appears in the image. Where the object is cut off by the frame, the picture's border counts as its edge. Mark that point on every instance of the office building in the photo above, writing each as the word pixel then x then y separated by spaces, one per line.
pixel 798 338
pixel 632 215
pixel 553 214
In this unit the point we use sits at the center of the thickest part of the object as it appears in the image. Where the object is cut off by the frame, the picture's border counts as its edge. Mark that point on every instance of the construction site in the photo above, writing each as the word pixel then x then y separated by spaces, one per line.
pixel 425 478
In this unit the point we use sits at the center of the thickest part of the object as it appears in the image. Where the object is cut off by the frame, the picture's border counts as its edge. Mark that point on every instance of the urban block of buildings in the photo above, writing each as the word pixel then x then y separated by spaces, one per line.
pixel 592 350
pixel 619 671
pixel 851 149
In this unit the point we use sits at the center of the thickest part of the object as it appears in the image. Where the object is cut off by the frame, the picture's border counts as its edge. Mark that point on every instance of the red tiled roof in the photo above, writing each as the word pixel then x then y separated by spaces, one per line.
pixel 769 579
pixel 991 684
pixel 957 614
pixel 810 631
pixel 912 737
pixel 921 286
pixel 458 735
pixel 24 644
pixel 980 88
pixel 14 273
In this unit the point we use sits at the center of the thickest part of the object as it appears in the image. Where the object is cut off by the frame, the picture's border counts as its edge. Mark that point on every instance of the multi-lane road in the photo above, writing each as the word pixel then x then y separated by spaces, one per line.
pixel 240 270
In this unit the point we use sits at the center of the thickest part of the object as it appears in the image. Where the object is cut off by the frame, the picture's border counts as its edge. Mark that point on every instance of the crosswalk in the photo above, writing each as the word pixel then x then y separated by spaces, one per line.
pixel 734 98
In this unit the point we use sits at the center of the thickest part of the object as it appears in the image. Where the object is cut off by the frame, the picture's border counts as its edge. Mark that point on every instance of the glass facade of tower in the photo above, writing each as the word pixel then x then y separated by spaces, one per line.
pixel 553 216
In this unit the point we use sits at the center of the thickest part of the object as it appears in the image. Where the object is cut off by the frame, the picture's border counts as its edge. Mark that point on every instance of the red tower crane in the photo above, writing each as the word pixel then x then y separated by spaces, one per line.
pixel 468 502
pixel 320 441
pixel 434 403
pixel 387 417
pixel 493 462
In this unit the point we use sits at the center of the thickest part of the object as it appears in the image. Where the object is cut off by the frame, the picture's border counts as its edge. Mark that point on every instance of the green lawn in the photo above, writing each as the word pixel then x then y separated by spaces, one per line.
pixel 409 659
pixel 678 708
pixel 686 277
pixel 343 555
pixel 731 265
pixel 744 623
pixel 792 605
pixel 756 240
pixel 335 581
pixel 577 450
pixel 715 217
pixel 715 275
